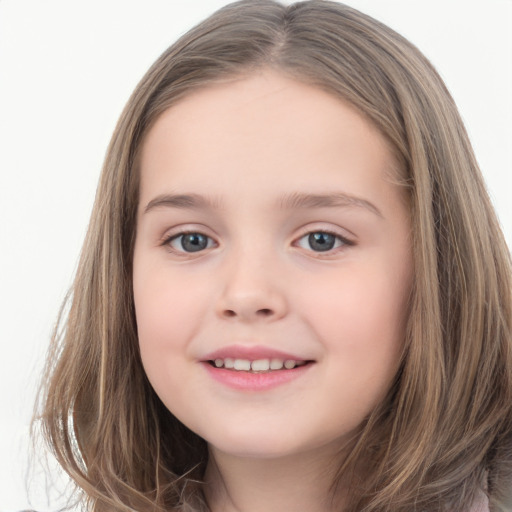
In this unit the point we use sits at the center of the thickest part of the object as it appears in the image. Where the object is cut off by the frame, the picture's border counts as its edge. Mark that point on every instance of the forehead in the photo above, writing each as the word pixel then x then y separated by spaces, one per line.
pixel 263 124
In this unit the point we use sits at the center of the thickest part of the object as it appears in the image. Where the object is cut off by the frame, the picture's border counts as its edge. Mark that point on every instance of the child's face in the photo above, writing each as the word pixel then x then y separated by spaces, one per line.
pixel 297 248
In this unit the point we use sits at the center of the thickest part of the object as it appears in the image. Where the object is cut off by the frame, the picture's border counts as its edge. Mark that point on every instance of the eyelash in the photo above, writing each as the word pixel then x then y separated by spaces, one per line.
pixel 342 241
pixel 176 236
pixel 339 239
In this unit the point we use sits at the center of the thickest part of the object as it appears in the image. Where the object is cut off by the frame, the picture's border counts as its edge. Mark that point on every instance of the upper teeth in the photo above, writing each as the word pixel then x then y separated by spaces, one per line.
pixel 259 365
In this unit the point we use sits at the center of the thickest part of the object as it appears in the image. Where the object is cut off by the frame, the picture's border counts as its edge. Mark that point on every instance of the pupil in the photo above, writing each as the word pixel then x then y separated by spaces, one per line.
pixel 321 241
pixel 194 242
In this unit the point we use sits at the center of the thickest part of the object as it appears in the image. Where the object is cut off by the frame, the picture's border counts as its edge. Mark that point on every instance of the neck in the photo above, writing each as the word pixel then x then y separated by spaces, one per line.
pixel 292 483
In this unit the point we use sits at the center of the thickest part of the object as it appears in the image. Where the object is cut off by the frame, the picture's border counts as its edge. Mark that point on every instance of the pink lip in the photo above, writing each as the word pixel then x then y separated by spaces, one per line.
pixel 246 381
pixel 250 352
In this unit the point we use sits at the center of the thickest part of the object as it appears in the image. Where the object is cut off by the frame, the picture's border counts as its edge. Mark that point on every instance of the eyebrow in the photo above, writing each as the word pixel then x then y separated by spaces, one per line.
pixel 297 200
pixel 184 201
pixel 292 201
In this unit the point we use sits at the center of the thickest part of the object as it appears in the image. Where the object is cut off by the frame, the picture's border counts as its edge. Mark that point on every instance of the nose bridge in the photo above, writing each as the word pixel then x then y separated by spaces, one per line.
pixel 250 286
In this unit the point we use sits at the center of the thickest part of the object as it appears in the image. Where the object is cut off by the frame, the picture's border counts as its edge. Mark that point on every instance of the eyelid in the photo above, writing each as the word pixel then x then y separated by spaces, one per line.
pixel 177 232
pixel 310 229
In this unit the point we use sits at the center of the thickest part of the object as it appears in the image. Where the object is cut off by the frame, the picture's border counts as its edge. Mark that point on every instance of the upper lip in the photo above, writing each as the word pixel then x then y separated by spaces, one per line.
pixel 252 353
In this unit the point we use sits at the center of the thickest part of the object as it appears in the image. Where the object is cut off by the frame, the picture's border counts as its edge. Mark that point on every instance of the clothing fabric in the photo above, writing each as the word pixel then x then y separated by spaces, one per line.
pixel 481 504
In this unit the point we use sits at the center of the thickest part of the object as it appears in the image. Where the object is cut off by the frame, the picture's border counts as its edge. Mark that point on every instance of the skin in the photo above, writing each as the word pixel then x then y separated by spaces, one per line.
pixel 245 145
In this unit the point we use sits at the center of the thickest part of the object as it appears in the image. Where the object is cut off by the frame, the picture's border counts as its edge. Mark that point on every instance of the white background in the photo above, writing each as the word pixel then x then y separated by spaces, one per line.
pixel 66 69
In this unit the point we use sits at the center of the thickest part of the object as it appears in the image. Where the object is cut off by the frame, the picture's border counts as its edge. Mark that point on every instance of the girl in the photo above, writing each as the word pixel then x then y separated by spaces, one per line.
pixel 294 293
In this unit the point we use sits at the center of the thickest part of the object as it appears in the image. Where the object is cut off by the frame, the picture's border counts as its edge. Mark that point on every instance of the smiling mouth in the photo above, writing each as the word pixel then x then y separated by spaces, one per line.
pixel 257 365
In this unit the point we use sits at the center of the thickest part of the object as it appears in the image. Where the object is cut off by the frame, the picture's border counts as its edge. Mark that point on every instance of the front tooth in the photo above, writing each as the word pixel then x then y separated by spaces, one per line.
pixel 289 364
pixel 229 362
pixel 260 365
pixel 219 363
pixel 276 364
pixel 242 364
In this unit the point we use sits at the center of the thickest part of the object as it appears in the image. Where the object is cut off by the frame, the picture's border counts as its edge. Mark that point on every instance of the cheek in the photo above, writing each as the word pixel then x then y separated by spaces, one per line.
pixel 361 316
pixel 167 310
pixel 165 300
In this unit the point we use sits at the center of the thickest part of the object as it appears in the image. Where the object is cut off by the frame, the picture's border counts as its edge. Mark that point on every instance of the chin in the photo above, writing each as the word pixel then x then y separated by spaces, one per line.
pixel 276 446
pixel 253 446
pixel 255 451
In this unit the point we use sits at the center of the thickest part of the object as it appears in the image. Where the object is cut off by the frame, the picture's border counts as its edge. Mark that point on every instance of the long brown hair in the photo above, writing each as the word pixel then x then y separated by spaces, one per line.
pixel 445 428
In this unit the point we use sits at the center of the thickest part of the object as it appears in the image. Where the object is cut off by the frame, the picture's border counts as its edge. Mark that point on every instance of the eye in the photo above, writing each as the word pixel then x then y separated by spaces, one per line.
pixel 190 242
pixel 322 241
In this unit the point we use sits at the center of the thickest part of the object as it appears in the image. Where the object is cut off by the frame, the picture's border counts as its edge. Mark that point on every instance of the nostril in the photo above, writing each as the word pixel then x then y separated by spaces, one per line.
pixel 262 313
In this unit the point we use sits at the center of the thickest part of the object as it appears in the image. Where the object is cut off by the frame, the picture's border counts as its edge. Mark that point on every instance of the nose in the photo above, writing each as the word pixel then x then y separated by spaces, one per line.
pixel 251 292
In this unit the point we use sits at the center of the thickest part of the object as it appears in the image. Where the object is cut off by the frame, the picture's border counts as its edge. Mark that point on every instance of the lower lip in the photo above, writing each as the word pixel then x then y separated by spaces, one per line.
pixel 247 381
